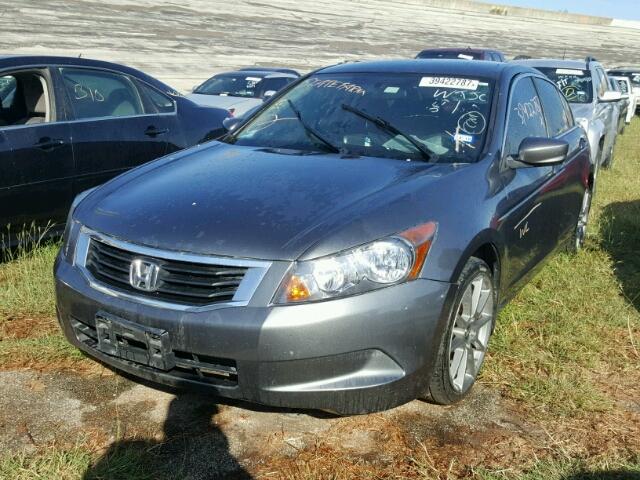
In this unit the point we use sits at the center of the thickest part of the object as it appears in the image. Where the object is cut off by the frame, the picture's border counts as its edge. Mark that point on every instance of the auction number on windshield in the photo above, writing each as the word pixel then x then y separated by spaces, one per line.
pixel 449 82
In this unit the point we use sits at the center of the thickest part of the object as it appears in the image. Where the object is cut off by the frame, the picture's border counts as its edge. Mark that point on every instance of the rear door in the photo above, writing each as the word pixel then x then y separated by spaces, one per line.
pixel 36 155
pixel 119 122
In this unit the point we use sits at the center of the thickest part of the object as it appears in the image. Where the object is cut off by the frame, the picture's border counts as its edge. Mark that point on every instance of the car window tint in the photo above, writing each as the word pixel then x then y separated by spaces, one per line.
pixel 552 107
pixel 24 99
pixel 98 94
pixel 7 90
pixel 154 101
pixel 525 116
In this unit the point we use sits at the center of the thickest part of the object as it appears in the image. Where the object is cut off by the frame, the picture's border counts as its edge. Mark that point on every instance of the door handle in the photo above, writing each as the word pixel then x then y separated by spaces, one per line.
pixel 47 143
pixel 154 132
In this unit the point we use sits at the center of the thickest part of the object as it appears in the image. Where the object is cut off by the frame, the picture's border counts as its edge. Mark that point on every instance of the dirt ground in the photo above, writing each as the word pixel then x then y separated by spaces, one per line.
pixel 193 436
pixel 185 42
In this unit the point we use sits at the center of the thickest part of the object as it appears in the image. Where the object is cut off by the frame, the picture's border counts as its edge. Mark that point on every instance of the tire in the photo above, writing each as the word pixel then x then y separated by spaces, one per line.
pixel 580 232
pixel 608 162
pixel 449 383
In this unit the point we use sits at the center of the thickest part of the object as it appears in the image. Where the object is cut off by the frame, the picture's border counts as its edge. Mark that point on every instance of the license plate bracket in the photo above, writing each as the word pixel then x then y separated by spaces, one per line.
pixel 133 342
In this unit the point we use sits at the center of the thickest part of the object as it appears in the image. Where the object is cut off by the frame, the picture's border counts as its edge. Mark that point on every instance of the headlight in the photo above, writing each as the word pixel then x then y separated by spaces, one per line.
pixel 72 227
pixel 385 262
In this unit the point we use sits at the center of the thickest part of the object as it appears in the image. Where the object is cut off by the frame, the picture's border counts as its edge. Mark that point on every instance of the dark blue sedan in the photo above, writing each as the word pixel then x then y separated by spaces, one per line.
pixel 68 124
pixel 347 248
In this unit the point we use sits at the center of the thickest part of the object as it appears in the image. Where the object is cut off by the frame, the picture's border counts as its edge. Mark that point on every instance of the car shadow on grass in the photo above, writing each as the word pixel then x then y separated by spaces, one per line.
pixel 610 475
pixel 193 447
pixel 620 236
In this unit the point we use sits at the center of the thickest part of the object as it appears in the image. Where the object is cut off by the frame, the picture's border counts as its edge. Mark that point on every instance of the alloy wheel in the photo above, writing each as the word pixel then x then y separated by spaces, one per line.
pixel 471 331
pixel 583 220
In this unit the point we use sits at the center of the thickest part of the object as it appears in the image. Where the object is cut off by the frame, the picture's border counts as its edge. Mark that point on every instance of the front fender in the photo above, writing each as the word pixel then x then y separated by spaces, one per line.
pixel 595 134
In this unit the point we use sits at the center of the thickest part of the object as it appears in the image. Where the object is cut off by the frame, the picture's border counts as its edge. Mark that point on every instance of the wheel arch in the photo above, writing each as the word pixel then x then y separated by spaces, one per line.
pixel 488 247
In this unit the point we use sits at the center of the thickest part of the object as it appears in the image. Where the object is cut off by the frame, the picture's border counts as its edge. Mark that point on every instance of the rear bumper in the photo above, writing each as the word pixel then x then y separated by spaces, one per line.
pixel 354 355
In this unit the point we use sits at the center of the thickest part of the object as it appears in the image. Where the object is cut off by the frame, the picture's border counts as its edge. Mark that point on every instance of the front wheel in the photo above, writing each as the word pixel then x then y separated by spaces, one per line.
pixel 580 233
pixel 464 344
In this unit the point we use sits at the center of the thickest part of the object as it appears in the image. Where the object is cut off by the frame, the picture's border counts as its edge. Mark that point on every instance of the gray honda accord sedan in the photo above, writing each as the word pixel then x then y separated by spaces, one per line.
pixel 346 248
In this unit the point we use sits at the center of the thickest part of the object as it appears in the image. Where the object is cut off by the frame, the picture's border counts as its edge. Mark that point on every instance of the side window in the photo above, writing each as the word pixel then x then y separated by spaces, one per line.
pixel 24 99
pixel 100 94
pixel 153 101
pixel 8 86
pixel 525 117
pixel 553 108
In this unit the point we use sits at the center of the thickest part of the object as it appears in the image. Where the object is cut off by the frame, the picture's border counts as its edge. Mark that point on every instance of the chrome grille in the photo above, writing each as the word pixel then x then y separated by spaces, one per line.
pixel 180 282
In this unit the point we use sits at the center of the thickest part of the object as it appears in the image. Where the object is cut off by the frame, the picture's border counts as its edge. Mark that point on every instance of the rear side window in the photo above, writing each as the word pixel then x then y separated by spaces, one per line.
pixel 553 108
pixel 153 101
pixel 100 94
pixel 525 118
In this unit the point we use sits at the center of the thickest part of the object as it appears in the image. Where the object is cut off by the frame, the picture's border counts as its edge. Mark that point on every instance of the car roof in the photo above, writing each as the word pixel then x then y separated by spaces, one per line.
pixel 553 63
pixel 254 68
pixel 491 70
pixel 625 69
pixel 33 61
pixel 256 73
pixel 462 50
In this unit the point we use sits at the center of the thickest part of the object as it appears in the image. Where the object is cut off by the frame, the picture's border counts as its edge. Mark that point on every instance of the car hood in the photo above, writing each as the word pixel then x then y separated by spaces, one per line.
pixel 224 101
pixel 248 202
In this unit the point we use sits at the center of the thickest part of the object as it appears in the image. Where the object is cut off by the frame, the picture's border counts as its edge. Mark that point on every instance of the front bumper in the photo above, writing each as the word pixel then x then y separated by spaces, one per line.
pixel 352 355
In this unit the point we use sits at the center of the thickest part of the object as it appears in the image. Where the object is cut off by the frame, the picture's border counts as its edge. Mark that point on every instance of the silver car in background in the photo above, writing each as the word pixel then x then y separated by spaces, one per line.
pixel 242 90
pixel 586 87
pixel 634 98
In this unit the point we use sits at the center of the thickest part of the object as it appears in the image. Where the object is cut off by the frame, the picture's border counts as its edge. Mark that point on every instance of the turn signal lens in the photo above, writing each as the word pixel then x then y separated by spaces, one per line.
pixel 297 290
pixel 421 237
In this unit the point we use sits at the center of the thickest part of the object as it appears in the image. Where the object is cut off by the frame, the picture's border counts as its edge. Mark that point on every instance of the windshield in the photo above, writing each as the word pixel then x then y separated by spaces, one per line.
pixel 404 116
pixel 575 85
pixel 242 85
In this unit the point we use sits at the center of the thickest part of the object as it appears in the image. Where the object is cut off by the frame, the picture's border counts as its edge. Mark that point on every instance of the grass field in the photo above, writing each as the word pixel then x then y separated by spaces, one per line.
pixel 566 354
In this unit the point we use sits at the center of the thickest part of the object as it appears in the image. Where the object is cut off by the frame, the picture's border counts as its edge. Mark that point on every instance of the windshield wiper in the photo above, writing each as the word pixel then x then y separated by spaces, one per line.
pixel 311 131
pixel 388 127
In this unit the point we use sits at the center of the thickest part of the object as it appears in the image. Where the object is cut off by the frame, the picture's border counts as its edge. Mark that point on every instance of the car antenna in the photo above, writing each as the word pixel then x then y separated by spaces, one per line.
pixel 564 54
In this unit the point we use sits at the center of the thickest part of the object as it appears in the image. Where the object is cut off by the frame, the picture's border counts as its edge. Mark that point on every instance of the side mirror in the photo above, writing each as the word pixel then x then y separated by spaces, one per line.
pixel 231 123
pixel 610 96
pixel 541 152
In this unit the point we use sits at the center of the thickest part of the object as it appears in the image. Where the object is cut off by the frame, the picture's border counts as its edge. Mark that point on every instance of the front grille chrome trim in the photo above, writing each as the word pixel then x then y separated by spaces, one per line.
pixel 256 270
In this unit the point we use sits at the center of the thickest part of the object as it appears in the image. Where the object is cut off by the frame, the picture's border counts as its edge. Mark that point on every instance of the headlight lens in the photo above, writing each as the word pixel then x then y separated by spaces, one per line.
pixel 375 265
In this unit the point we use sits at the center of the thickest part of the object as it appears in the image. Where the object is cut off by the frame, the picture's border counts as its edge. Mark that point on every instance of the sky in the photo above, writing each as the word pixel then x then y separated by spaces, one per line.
pixel 624 9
